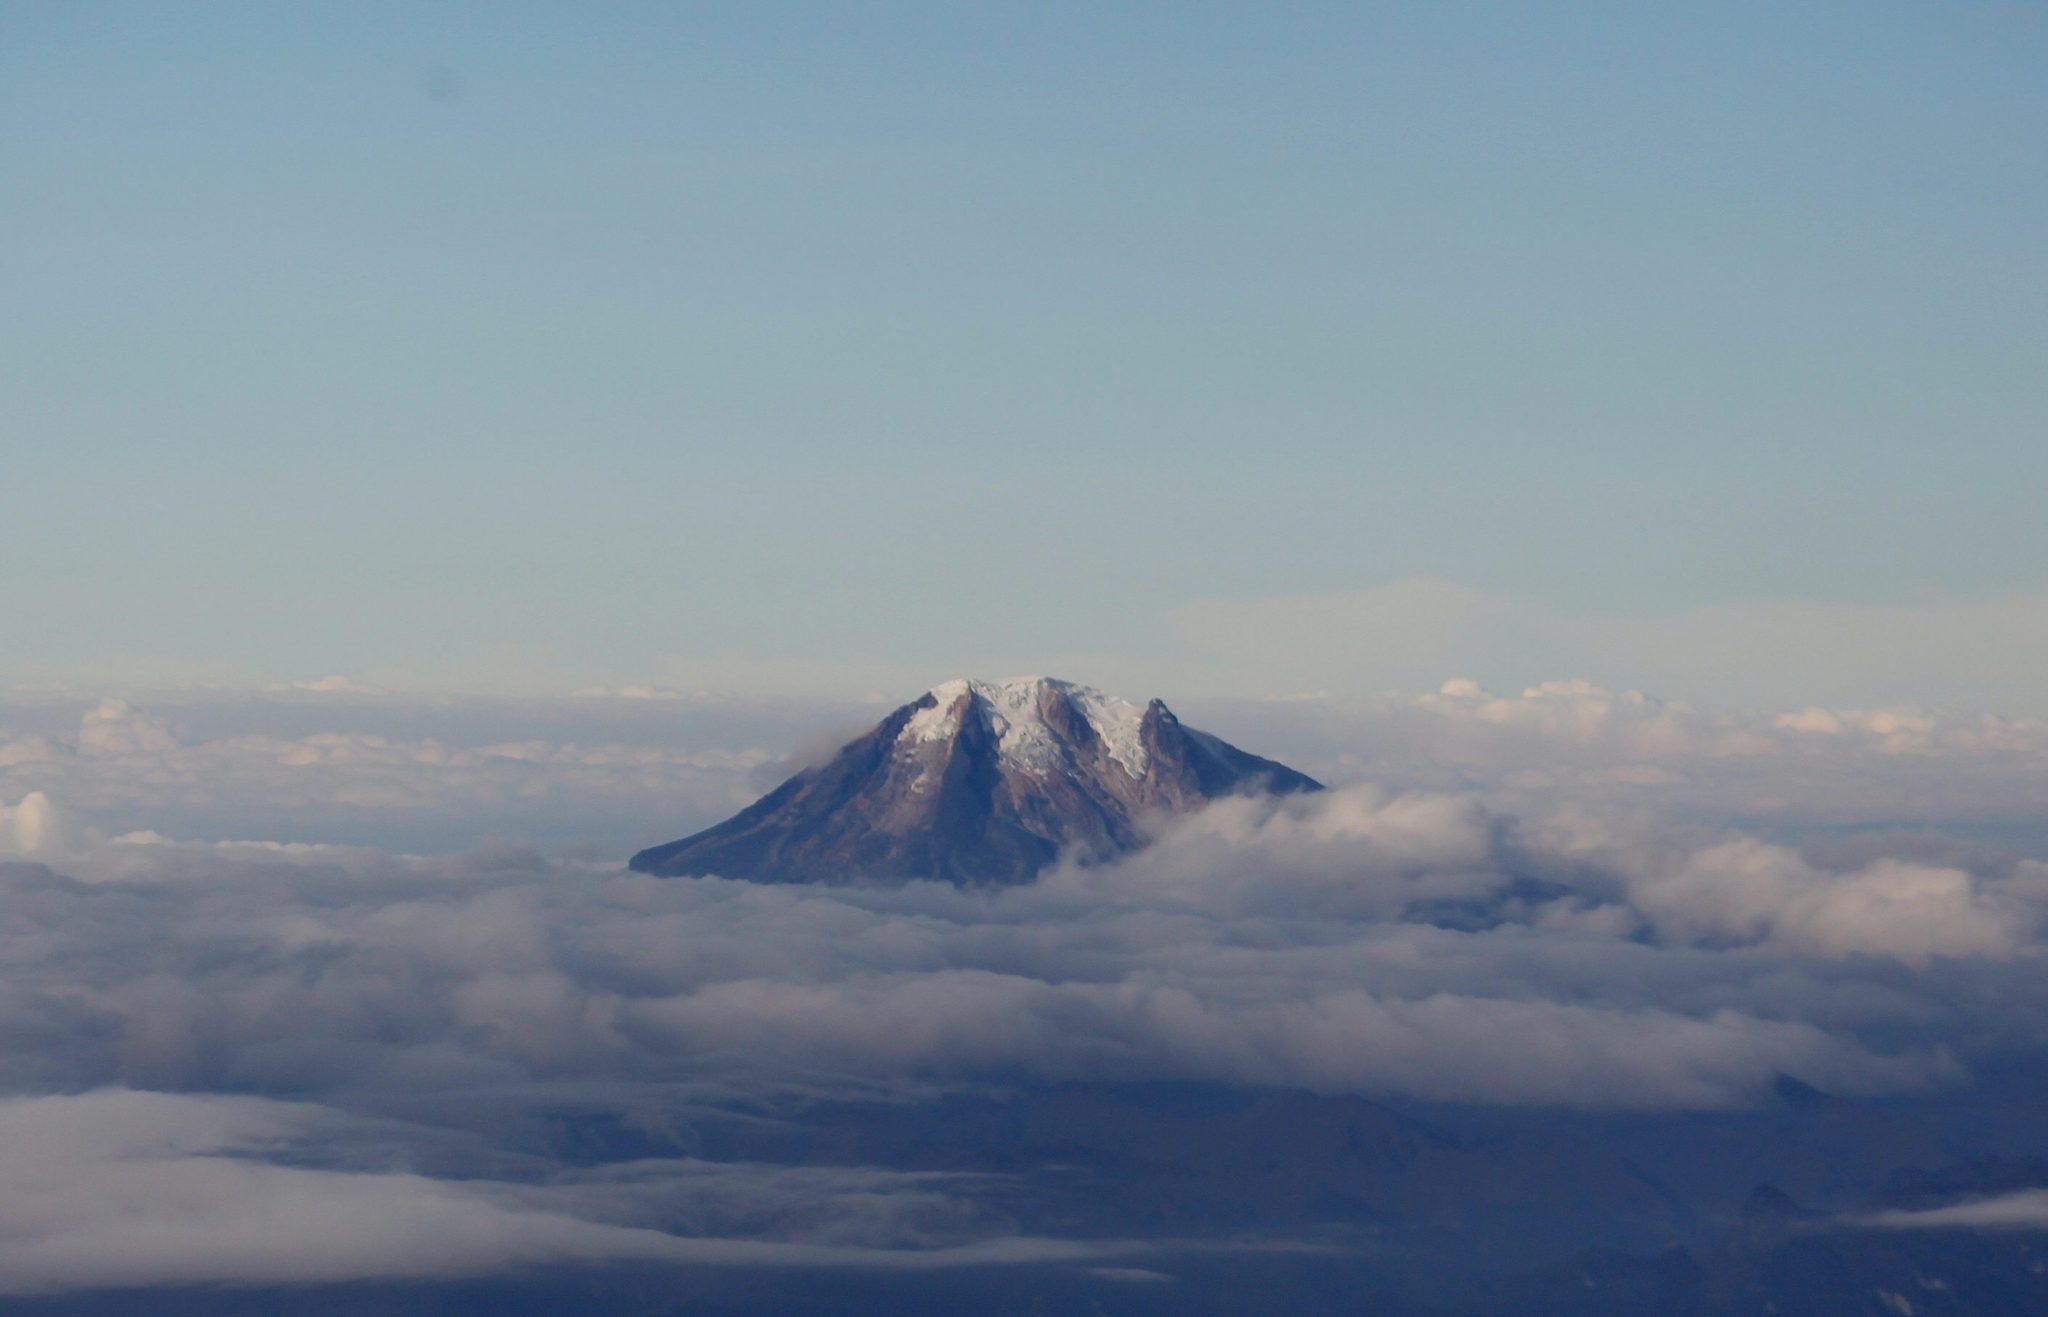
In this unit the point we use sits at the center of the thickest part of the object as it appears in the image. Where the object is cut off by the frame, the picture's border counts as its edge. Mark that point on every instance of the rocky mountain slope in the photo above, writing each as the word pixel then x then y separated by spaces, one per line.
pixel 979 783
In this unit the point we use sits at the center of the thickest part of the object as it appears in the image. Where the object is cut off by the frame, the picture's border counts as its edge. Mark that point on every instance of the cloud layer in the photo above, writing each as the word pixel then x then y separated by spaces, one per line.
pixel 117 1189
pixel 1524 933
pixel 1360 941
pixel 620 771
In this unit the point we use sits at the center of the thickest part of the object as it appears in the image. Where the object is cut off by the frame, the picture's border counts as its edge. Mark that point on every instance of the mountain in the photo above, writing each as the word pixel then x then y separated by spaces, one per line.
pixel 978 783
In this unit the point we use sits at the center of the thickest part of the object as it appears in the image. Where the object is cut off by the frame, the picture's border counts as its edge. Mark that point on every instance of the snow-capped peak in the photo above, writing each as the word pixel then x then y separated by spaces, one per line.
pixel 1014 708
pixel 979 783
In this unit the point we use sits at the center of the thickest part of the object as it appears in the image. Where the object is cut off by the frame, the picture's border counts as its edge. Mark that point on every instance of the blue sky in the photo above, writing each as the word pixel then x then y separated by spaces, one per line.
pixel 540 345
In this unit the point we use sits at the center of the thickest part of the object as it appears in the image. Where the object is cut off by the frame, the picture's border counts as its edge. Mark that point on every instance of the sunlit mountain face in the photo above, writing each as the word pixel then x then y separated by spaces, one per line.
pixel 980 783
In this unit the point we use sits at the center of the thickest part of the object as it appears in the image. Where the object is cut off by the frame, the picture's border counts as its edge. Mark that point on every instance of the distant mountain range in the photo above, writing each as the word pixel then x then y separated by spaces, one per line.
pixel 979 783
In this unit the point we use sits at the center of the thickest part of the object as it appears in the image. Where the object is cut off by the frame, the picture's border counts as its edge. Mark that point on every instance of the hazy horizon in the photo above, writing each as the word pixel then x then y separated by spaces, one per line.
pixel 778 345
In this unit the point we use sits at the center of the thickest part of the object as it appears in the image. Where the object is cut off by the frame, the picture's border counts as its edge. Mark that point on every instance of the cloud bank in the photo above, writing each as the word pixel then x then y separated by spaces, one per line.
pixel 1360 941
pixel 2024 1210
pixel 1509 928
pixel 117 1189
pixel 618 771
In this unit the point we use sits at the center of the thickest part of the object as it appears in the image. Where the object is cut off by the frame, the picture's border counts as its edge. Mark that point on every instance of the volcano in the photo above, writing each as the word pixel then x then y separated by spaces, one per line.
pixel 979 783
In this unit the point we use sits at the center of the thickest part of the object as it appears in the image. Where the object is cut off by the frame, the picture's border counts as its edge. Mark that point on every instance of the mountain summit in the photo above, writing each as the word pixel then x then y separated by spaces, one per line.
pixel 978 783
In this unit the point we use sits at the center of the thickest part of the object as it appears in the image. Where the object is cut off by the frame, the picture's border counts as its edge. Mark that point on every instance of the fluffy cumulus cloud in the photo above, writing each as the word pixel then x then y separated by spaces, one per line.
pixel 1571 742
pixel 1366 853
pixel 115 727
pixel 1360 942
pixel 30 825
pixel 419 1023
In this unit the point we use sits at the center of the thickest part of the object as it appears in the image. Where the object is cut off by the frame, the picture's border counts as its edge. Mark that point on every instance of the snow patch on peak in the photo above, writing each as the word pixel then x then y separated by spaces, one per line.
pixel 1022 734
pixel 1117 724
pixel 939 721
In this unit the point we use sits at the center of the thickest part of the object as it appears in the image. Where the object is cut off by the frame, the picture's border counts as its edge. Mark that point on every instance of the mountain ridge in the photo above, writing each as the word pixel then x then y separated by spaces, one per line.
pixel 978 783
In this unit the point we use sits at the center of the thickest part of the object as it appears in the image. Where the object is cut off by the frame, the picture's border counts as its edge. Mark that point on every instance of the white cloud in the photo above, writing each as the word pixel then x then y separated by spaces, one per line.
pixel 2025 1210
pixel 1971 652
pixel 1742 890
pixel 332 684
pixel 436 773
pixel 31 826
pixel 1367 853
pixel 25 749
pixel 1437 943
pixel 1360 941
pixel 123 1189
pixel 115 728
pixel 1421 944
pixel 416 770
pixel 1533 898
pixel 1451 1047
pixel 1571 743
